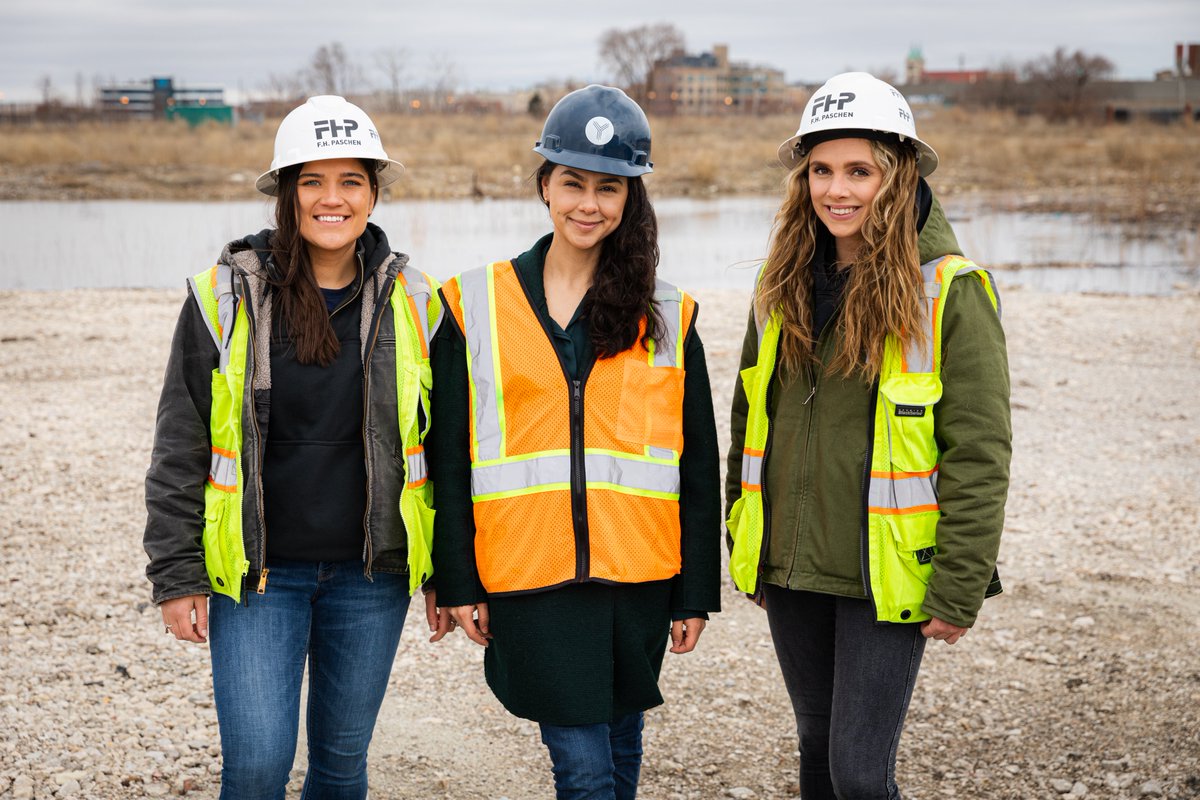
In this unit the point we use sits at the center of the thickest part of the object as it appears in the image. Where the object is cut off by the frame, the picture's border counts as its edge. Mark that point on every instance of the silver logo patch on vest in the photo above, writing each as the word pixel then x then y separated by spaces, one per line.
pixel 910 411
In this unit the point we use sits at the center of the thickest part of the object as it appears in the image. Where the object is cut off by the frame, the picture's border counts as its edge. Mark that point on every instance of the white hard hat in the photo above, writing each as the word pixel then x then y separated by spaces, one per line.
pixel 325 127
pixel 856 102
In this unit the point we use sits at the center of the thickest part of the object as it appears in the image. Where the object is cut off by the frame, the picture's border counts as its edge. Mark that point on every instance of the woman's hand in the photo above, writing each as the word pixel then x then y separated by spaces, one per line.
pixel 474 622
pixel 177 616
pixel 936 628
pixel 439 619
pixel 685 633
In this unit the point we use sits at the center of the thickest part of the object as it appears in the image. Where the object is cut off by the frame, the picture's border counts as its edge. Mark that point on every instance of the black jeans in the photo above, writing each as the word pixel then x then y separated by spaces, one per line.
pixel 850 681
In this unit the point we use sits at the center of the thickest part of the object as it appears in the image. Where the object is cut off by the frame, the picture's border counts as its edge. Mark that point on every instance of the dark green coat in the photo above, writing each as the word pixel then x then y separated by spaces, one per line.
pixel 819 444
pixel 588 652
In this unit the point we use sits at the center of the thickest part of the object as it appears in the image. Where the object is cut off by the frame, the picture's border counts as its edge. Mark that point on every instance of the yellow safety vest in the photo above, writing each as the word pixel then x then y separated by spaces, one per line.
pixel 902 499
pixel 416 313
pixel 570 480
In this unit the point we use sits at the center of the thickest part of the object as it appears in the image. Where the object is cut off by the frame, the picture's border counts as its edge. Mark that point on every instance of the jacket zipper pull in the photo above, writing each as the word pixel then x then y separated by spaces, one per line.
pixel 262 581
pixel 812 392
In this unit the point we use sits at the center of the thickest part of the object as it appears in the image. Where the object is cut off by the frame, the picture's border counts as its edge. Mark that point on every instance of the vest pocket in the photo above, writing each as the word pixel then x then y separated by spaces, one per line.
pixel 651 406
pixel 910 399
pixel 224 552
pixel 743 555
pixel 418 521
pixel 914 538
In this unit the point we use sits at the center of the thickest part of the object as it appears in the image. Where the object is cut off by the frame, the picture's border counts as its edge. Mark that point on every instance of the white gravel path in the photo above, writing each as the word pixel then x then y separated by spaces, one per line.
pixel 1083 679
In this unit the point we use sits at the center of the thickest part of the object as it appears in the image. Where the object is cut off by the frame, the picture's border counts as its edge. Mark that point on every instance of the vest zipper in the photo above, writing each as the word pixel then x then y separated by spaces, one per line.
pixel 258 443
pixel 372 335
pixel 579 484
pixel 864 541
pixel 578 473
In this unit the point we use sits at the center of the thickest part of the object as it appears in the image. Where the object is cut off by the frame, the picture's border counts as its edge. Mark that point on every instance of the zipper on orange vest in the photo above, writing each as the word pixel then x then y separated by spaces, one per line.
pixel 578 483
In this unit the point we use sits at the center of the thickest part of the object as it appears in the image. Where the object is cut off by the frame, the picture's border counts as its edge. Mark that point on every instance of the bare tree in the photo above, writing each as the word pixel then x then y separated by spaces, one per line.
pixel 444 80
pixel 392 62
pixel 45 85
pixel 1000 90
pixel 1062 82
pixel 631 54
pixel 284 87
pixel 332 72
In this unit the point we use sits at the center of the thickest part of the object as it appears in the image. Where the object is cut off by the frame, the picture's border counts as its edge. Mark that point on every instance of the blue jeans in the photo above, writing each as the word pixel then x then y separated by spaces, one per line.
pixel 850 681
pixel 347 629
pixel 596 762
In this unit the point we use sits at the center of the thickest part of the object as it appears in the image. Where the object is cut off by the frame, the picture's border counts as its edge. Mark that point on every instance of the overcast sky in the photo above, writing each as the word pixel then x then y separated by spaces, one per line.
pixel 495 44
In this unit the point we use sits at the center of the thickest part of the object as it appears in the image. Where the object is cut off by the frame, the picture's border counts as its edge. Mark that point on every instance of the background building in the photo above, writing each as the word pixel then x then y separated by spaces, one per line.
pixel 709 83
pixel 160 98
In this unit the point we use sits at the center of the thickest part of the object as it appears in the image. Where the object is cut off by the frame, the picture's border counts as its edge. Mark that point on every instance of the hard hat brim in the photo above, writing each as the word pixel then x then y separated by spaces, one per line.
pixel 790 154
pixel 594 163
pixel 386 174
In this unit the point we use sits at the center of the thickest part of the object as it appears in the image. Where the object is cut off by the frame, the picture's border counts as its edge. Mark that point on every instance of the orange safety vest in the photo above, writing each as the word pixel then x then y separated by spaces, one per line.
pixel 572 480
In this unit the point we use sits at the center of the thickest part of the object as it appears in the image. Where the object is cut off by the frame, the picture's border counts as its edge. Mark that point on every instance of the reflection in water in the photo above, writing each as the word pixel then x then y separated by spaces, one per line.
pixel 705 243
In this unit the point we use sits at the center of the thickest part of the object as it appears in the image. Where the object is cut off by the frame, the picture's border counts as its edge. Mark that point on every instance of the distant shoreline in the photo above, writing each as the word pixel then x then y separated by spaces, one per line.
pixel 1122 173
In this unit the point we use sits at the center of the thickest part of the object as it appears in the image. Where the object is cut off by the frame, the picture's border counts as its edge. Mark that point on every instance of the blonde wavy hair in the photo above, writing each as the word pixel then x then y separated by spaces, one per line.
pixel 884 292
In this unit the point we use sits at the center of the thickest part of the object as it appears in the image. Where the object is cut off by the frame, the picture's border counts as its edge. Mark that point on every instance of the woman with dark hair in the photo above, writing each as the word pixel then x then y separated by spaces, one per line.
pixel 868 468
pixel 578 517
pixel 289 509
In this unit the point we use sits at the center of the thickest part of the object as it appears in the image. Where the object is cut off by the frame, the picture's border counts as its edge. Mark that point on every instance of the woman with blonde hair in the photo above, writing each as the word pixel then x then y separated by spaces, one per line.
pixel 868 468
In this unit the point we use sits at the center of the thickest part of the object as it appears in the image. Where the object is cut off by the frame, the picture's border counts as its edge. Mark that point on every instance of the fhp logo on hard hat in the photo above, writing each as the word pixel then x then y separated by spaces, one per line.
pixel 599 130
pixel 822 104
pixel 331 127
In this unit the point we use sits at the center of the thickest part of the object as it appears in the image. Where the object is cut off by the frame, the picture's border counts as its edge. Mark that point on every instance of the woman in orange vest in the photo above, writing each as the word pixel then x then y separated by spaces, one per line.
pixel 575 531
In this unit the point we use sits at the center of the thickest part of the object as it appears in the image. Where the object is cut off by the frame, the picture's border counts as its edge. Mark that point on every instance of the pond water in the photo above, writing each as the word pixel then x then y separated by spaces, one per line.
pixel 705 243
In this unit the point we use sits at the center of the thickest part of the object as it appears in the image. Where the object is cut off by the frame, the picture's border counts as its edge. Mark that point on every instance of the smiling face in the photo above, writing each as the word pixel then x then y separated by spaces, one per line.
pixel 333 200
pixel 585 207
pixel 843 179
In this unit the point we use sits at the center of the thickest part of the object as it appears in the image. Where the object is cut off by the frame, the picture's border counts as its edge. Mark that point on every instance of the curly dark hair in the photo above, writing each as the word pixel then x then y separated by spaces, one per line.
pixel 622 293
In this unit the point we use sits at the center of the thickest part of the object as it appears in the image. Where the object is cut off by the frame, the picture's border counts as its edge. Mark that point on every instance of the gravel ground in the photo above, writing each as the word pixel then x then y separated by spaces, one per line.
pixel 1081 680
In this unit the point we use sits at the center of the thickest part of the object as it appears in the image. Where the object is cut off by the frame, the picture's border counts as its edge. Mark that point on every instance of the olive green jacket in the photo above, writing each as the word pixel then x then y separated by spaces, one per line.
pixel 819 445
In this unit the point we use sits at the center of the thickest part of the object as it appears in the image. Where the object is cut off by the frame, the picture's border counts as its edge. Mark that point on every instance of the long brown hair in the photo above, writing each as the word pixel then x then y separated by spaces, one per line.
pixel 298 298
pixel 622 292
pixel 884 291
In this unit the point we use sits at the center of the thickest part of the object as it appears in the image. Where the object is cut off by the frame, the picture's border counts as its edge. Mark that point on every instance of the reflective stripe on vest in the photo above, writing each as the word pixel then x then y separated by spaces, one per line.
pixel 902 496
pixel 224 548
pixel 521 443
pixel 416 315
pixel 225 316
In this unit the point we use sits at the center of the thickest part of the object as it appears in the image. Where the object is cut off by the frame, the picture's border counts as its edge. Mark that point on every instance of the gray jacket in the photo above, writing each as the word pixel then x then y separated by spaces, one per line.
pixel 180 459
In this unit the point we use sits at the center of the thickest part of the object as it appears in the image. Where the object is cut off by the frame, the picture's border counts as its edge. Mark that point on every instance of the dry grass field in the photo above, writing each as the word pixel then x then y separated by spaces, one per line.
pixel 1126 172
